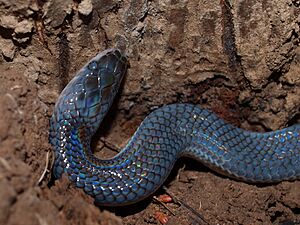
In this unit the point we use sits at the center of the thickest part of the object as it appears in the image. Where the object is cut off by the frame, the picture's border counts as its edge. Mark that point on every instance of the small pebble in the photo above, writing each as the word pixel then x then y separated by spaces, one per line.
pixel 85 7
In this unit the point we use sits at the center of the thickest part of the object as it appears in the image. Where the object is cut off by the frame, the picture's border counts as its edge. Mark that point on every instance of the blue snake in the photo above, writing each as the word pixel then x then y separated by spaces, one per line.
pixel 165 135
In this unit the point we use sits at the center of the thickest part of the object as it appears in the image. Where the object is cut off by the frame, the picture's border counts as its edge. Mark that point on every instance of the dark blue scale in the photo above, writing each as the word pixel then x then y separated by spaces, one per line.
pixel 166 134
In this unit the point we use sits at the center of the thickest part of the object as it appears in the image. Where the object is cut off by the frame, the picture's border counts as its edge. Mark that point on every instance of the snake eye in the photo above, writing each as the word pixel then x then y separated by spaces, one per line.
pixel 92 65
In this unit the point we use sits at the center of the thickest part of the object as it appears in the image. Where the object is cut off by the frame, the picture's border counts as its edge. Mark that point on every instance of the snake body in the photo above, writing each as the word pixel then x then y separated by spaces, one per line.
pixel 165 135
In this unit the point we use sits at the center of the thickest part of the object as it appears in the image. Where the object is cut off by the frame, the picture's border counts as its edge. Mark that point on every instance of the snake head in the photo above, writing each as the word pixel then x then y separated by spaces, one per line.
pixel 104 70
pixel 90 93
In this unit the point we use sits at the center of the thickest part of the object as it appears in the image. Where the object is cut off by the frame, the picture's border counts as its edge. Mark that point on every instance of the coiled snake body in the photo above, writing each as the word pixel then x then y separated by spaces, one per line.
pixel 166 134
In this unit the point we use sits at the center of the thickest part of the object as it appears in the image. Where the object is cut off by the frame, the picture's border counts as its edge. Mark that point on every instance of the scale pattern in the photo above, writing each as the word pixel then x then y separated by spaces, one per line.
pixel 165 135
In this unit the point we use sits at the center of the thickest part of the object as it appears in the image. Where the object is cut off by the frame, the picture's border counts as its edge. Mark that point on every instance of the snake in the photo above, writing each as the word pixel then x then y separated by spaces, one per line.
pixel 166 134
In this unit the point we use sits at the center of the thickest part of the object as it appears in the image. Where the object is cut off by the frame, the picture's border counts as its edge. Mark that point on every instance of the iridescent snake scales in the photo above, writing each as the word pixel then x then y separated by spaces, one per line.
pixel 165 135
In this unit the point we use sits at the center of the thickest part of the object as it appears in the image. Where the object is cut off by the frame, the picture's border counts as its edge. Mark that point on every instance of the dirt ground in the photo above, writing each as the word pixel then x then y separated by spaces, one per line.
pixel 238 58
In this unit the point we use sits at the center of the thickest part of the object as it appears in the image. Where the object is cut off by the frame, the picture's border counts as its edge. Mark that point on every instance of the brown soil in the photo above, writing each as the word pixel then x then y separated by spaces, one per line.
pixel 239 59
